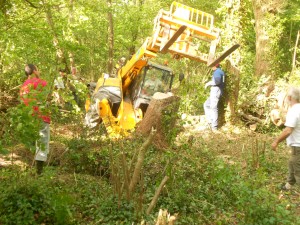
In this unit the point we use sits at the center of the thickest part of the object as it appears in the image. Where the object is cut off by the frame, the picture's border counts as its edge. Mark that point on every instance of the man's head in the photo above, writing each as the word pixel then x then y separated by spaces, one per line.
pixel 31 69
pixel 293 95
pixel 122 61
pixel 216 66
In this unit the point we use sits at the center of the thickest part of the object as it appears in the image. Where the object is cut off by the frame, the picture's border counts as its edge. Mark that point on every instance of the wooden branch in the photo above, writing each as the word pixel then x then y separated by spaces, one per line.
pixel 126 175
pixel 16 87
pixel 157 193
pixel 295 51
pixel 139 163
pixel 31 4
pixel 252 118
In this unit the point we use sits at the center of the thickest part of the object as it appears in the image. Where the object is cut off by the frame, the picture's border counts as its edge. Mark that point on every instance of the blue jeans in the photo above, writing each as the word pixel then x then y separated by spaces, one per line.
pixel 211 107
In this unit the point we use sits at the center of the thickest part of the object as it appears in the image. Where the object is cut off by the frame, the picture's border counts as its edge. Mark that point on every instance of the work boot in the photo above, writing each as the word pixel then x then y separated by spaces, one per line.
pixel 39 167
pixel 286 187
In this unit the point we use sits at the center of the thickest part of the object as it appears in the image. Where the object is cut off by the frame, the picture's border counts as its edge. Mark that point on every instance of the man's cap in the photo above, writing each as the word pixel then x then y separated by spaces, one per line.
pixel 217 65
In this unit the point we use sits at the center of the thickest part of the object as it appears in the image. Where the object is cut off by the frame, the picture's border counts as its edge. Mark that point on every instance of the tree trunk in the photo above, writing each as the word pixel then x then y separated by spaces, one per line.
pixel 70 33
pixel 110 37
pixel 59 52
pixel 234 35
pixel 231 95
pixel 262 62
pixel 161 115
pixel 295 52
pixel 265 12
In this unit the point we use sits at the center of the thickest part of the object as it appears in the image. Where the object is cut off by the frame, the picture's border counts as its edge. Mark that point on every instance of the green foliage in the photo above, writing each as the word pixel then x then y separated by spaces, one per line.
pixel 27 200
pixel 205 189
pixel 294 77
pixel 192 90
pixel 202 188
pixel 23 126
pixel 106 213
pixel 25 120
pixel 169 119
pixel 83 158
pixel 279 53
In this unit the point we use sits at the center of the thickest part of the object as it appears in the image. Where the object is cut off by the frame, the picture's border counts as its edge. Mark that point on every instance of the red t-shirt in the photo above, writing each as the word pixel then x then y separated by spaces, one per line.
pixel 36 84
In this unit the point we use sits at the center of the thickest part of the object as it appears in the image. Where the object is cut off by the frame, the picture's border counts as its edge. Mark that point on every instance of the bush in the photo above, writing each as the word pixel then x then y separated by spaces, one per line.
pixel 30 201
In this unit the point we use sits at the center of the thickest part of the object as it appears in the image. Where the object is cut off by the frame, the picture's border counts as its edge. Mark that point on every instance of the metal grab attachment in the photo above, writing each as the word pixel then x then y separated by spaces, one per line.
pixel 185 32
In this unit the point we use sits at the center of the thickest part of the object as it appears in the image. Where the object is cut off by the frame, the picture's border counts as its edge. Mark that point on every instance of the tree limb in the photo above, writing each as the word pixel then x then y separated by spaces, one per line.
pixel 157 193
pixel 31 4
pixel 139 163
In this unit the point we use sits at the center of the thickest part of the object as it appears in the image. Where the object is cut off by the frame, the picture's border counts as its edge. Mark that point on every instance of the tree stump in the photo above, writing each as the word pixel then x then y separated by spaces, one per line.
pixel 161 114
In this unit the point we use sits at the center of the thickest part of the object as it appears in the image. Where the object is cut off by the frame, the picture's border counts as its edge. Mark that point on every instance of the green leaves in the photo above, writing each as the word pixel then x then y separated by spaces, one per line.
pixel 24 126
pixel 3 151
pixel 26 200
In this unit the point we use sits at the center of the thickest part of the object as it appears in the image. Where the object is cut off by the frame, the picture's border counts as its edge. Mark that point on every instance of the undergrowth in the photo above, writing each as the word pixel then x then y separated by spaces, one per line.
pixel 202 189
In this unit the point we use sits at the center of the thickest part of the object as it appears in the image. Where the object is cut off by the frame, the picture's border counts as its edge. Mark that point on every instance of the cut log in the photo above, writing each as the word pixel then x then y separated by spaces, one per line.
pixel 161 115
pixel 251 118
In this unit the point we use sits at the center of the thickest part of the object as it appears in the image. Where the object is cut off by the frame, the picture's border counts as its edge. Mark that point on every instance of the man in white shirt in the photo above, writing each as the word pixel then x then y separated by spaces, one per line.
pixel 291 133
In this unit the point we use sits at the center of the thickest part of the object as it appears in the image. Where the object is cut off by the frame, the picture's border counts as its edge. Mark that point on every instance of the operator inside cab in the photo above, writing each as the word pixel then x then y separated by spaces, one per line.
pixel 152 83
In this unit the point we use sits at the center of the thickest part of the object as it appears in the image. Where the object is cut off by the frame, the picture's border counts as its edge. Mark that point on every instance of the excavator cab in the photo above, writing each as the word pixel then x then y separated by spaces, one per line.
pixel 153 78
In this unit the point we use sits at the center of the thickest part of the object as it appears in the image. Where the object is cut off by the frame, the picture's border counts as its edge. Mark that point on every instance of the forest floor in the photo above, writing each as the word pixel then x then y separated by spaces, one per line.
pixel 236 145
pixel 231 144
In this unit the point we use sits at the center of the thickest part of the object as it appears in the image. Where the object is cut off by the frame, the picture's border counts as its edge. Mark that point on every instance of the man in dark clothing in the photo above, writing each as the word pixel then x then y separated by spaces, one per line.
pixel 216 90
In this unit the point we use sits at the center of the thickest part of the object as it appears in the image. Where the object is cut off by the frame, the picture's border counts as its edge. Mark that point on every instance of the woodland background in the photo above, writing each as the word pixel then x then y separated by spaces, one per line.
pixel 227 178
pixel 93 35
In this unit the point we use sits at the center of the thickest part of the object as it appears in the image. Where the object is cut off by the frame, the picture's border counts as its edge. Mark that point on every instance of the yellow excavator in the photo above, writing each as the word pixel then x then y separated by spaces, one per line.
pixel 120 101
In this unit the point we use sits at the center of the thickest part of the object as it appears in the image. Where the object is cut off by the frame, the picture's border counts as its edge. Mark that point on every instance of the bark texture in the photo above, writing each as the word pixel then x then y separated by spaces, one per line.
pixel 161 115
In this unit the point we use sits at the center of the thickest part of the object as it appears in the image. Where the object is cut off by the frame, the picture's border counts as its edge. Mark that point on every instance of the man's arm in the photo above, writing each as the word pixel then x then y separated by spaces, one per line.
pixel 216 79
pixel 284 134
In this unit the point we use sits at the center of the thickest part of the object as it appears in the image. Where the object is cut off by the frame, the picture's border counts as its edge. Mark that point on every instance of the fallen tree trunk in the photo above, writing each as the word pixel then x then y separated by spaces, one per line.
pixel 251 118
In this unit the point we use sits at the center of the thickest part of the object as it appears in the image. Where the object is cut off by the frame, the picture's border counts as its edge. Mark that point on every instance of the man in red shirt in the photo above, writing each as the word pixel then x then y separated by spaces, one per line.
pixel 31 93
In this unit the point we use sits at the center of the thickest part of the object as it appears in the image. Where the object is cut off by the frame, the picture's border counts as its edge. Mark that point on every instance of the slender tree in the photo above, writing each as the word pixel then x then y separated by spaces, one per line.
pixel 266 22
pixel 110 31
